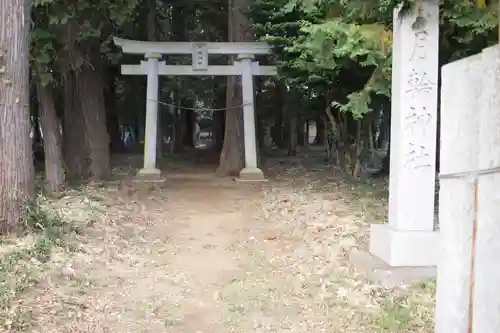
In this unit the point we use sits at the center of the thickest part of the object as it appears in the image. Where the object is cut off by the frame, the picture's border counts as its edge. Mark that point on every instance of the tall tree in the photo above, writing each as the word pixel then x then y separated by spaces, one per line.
pixel 83 31
pixel 16 164
pixel 52 143
pixel 232 155
pixel 42 58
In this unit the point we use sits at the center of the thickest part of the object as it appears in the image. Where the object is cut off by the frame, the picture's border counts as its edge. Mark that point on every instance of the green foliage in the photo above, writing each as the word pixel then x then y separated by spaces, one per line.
pixel 317 41
pixel 42 54
pixel 93 22
pixel 36 219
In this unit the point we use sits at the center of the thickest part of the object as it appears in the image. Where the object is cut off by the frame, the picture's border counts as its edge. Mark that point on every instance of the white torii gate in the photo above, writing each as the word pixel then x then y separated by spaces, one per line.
pixel 153 67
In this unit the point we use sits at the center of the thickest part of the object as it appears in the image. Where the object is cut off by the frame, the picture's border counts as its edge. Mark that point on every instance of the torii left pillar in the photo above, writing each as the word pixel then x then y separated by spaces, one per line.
pixel 149 168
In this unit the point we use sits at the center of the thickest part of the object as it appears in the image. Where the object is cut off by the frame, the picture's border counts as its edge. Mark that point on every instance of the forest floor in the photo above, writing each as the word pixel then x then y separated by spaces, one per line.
pixel 201 254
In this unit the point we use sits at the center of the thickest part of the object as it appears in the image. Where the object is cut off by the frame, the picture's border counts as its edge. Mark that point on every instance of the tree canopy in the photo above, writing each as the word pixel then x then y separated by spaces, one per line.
pixel 317 41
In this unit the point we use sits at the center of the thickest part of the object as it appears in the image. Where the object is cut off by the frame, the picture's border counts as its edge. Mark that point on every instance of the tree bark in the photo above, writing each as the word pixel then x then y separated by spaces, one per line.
pixel 16 159
pixel 177 138
pixel 52 145
pixel 74 135
pixel 90 94
pixel 113 124
pixel 300 131
pixel 188 130
pixel 232 154
pixel 320 131
pixel 306 134
pixel 74 142
pixel 386 163
pixel 385 133
pixel 219 120
pixel 37 143
pixel 112 114
pixel 279 130
pixel 293 139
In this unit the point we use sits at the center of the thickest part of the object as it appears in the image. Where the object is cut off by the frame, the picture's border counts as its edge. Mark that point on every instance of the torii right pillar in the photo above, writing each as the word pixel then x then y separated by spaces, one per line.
pixel 251 172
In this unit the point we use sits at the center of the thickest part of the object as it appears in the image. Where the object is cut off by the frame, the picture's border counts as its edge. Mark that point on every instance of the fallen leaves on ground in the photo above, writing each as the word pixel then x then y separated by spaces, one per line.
pixel 140 264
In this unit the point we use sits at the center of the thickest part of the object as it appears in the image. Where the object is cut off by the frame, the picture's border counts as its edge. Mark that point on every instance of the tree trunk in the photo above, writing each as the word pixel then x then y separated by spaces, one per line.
pixel 37 143
pixel 320 132
pixel 385 133
pixel 74 135
pixel 306 134
pixel 300 131
pixel 115 141
pixel 17 176
pixel 219 120
pixel 112 114
pixel 52 145
pixel 386 163
pixel 74 142
pixel 279 129
pixel 293 135
pixel 188 130
pixel 90 93
pixel 232 154
pixel 384 128
pixel 141 132
pixel 177 139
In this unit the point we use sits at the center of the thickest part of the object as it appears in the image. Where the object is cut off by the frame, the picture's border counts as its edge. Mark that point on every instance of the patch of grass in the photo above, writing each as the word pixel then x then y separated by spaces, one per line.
pixel 396 316
pixel 22 265
pixel 169 323
pixel 81 285
pixel 427 286
pixel 410 310
pixel 371 195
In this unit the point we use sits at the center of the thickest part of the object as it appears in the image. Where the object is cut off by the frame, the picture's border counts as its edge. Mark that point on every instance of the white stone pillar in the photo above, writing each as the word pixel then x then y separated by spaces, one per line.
pixel 461 86
pixel 408 239
pixel 486 301
pixel 150 138
pixel 251 171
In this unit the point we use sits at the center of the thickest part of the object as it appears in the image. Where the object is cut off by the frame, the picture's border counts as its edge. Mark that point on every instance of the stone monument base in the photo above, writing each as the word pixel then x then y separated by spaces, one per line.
pixel 405 248
pixel 386 276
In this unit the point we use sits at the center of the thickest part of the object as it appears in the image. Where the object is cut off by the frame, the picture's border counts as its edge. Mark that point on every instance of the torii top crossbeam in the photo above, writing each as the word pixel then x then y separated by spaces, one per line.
pixel 141 47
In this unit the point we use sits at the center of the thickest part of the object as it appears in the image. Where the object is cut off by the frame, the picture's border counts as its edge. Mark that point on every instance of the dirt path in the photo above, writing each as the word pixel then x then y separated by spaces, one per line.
pixel 157 263
pixel 206 255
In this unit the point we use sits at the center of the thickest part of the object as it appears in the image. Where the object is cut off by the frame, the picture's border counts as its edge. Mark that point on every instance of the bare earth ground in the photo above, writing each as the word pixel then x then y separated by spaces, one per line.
pixel 205 254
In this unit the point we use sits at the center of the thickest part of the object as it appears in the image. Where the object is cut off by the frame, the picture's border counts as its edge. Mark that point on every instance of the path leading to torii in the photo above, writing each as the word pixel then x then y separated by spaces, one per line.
pixel 204 254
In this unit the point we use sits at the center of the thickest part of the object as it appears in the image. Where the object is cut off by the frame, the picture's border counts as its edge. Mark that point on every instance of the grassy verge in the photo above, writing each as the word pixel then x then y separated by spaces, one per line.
pixel 370 195
pixel 24 259
pixel 409 310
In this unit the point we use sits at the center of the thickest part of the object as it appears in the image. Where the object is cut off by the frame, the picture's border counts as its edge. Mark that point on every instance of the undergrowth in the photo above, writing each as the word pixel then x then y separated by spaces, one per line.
pixel 370 195
pixel 409 310
pixel 23 260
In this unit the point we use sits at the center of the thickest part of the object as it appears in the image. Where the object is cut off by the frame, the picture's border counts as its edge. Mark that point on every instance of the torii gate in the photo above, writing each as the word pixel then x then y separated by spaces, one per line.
pixel 245 66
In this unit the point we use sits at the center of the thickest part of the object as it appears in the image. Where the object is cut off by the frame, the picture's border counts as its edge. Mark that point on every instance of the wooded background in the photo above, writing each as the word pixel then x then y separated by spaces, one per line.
pixel 334 59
